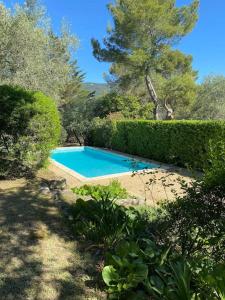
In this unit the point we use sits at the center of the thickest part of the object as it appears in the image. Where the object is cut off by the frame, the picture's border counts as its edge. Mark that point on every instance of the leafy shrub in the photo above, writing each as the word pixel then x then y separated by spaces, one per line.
pixel 172 252
pixel 194 224
pixel 139 270
pixel 29 129
pixel 215 279
pixel 125 269
pixel 180 142
pixel 214 174
pixel 129 106
pixel 100 133
pixel 147 268
pixel 101 219
pixel 112 191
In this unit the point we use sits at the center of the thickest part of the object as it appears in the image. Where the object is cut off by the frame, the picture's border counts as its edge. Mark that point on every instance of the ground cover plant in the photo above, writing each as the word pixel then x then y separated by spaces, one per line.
pixel 172 251
pixel 29 129
pixel 100 219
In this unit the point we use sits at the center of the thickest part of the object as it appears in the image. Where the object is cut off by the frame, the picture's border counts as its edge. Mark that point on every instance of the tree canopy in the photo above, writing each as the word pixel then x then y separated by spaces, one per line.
pixel 32 55
pixel 29 128
pixel 140 47
pixel 210 103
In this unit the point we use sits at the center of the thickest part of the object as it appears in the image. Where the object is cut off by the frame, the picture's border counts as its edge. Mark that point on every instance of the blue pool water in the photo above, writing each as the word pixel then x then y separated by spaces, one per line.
pixel 91 162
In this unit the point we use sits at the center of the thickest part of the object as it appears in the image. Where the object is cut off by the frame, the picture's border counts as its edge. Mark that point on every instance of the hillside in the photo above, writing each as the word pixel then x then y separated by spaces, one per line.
pixel 98 88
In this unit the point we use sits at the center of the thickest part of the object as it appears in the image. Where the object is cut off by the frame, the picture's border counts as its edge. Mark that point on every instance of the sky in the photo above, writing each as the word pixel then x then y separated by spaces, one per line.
pixel 89 19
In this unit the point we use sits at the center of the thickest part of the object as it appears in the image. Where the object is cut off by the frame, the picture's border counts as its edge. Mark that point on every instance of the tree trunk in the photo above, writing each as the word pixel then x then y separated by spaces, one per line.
pixel 169 111
pixel 153 96
pixel 155 100
pixel 77 137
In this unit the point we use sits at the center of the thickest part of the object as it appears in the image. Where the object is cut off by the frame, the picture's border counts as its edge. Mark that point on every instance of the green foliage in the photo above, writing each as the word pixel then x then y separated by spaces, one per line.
pixel 214 173
pixel 149 268
pixel 215 278
pixel 172 282
pixel 129 106
pixel 77 115
pixel 210 102
pixel 102 222
pixel 33 56
pixel 194 224
pixel 185 143
pixel 98 88
pixel 184 258
pixel 180 93
pixel 112 191
pixel 101 219
pixel 139 46
pixel 29 129
pixel 101 133
pixel 126 269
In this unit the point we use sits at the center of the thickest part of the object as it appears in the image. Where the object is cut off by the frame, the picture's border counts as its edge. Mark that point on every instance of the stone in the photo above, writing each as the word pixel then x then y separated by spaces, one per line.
pixel 135 202
pixel 44 190
pixel 57 184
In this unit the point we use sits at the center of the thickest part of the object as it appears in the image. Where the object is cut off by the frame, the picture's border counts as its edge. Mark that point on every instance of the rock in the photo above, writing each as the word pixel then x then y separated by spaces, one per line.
pixel 44 185
pixel 135 202
pixel 44 190
pixel 57 184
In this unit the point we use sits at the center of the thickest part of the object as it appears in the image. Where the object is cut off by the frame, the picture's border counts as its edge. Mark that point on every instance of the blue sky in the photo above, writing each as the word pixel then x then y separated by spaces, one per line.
pixel 89 18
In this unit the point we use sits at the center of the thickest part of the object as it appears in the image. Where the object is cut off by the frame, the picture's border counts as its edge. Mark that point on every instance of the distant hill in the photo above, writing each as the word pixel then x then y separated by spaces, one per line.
pixel 98 88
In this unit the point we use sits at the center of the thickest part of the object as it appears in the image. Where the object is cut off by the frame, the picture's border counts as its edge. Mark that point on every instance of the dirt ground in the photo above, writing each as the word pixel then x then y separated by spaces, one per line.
pixel 39 259
pixel 152 187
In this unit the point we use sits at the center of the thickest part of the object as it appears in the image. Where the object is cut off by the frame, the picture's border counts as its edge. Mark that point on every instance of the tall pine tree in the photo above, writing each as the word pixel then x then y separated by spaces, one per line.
pixel 140 46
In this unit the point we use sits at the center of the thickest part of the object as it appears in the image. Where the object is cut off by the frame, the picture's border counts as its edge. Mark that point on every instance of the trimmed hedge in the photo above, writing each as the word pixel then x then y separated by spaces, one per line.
pixel 29 128
pixel 185 143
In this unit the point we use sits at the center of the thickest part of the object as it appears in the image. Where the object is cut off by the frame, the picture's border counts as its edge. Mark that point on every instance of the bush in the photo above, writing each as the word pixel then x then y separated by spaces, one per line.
pixel 143 270
pixel 194 224
pixel 29 129
pixel 185 143
pixel 100 133
pixel 184 258
pixel 100 219
pixel 147 270
pixel 214 174
pixel 128 106
pixel 113 191
pixel 175 251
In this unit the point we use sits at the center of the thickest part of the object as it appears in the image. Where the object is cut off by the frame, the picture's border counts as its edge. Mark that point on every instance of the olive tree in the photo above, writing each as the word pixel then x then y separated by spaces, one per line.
pixel 31 54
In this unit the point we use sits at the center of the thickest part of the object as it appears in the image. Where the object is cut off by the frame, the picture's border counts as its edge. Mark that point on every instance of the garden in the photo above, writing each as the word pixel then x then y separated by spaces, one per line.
pixel 92 239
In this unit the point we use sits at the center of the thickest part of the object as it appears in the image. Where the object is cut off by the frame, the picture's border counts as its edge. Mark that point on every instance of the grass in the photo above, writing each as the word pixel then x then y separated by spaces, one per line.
pixel 39 260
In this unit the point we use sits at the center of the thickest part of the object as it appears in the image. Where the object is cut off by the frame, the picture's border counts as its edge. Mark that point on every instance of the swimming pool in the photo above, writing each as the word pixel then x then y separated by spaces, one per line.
pixel 88 162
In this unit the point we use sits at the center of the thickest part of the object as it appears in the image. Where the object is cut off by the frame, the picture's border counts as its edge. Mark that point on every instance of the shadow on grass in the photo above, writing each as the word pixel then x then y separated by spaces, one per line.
pixel 37 258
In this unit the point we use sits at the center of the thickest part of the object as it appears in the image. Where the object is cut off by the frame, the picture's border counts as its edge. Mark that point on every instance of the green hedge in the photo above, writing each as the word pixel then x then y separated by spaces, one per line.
pixel 29 128
pixel 178 142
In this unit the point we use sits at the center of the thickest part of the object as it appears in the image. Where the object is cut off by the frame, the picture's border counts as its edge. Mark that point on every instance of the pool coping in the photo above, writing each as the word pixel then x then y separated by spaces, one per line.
pixel 87 179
